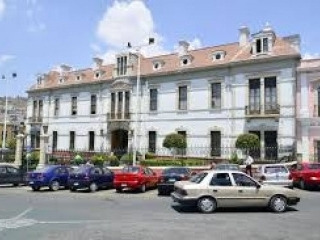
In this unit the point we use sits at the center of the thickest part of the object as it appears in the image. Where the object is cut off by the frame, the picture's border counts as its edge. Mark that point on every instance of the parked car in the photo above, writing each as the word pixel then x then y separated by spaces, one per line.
pixel 169 176
pixel 135 178
pixel 306 175
pixel 275 174
pixel 91 178
pixel 11 175
pixel 210 190
pixel 52 176
pixel 228 166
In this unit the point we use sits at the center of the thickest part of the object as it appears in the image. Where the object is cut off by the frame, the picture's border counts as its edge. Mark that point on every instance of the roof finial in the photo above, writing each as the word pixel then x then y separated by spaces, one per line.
pixel 267 27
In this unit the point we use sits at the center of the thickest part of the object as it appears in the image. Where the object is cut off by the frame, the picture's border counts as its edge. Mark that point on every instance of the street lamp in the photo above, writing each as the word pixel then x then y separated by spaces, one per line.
pixel 138 49
pixel 14 75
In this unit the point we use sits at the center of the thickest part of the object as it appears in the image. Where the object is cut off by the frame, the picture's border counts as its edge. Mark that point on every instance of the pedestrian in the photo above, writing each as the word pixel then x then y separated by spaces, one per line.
pixel 212 165
pixel 248 162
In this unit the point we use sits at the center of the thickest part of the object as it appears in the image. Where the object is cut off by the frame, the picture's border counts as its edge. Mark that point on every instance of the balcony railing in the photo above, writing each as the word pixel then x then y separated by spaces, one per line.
pixel 35 119
pixel 269 109
pixel 118 116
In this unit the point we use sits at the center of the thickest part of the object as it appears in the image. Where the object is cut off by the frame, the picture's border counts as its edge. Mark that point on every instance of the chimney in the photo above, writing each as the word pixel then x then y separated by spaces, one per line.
pixel 244 36
pixel 98 62
pixel 294 41
pixel 183 48
pixel 65 68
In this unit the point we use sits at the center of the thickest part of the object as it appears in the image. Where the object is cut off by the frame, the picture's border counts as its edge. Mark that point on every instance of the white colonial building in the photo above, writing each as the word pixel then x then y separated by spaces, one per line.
pixel 210 95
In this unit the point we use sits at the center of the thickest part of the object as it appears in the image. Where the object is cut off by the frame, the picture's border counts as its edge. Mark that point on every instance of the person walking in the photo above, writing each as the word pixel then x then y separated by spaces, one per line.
pixel 248 162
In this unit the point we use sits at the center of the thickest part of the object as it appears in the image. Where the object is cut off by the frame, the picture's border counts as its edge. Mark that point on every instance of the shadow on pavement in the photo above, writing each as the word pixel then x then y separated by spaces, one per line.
pixel 192 209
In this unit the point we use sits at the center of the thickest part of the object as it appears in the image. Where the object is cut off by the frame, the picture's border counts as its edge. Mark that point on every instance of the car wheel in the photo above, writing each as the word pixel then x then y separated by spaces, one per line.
pixel 278 204
pixel 54 186
pixel 143 188
pixel 118 190
pixel 207 205
pixel 16 184
pixel 35 188
pixel 93 187
pixel 302 184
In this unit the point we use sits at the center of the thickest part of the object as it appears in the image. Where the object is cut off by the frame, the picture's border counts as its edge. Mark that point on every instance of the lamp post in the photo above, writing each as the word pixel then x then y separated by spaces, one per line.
pixel 137 112
pixel 4 133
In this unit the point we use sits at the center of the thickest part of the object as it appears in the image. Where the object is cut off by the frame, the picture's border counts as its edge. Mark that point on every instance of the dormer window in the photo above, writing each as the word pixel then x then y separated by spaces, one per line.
pixel 61 80
pixel 218 55
pixel 262 45
pixel 97 75
pixel 186 60
pixel 39 80
pixel 157 65
pixel 122 65
pixel 78 77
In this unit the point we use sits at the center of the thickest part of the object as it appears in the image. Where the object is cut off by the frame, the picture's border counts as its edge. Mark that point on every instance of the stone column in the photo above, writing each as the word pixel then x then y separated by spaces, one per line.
pixel 262 97
pixel 43 150
pixel 19 146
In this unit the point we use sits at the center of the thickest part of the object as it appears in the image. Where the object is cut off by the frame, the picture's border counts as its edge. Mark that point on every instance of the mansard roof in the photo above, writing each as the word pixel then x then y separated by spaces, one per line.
pixel 201 59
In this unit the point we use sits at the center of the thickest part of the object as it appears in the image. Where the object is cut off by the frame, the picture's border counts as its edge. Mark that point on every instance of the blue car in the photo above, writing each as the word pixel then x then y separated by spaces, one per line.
pixel 52 176
pixel 91 178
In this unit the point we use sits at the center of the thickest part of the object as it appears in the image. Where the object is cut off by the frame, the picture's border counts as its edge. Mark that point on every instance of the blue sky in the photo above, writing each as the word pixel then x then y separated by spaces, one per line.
pixel 37 35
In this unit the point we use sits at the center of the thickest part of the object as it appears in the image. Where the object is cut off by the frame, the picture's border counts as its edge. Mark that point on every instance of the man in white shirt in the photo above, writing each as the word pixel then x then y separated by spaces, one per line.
pixel 248 162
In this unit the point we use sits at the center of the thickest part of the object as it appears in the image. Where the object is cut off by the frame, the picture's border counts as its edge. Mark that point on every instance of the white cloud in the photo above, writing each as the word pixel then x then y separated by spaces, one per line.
pixel 311 55
pixel 128 21
pixel 193 45
pixel 32 12
pixel 2 7
pixel 5 58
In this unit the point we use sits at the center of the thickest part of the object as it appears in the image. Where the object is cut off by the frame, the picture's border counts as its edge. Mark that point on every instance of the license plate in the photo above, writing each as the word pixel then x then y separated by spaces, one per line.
pixel 172 180
pixel 124 185
pixel 75 184
pixel 31 182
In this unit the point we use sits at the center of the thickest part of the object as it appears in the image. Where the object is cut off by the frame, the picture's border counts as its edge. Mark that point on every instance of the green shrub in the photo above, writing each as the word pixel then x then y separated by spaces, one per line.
pixel 174 141
pixel 234 158
pixel 247 141
pixel 113 161
pixel 98 159
pixel 11 143
pixel 150 155
pixel 34 158
pixel 126 159
pixel 53 160
pixel 78 159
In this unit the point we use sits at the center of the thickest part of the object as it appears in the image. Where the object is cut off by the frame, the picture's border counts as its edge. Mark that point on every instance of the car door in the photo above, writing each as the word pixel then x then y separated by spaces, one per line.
pixel 63 176
pixel 248 191
pixel 108 177
pixel 152 177
pixel 13 175
pixel 98 176
pixel 221 188
pixel 3 174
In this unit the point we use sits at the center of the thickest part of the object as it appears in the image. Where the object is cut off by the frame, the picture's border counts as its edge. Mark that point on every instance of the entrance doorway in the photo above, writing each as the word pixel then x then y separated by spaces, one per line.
pixel 119 142
pixel 271 145
pixel 256 153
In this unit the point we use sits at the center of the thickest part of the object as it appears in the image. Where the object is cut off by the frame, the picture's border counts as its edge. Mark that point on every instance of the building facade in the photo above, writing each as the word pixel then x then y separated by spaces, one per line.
pixel 308 110
pixel 209 95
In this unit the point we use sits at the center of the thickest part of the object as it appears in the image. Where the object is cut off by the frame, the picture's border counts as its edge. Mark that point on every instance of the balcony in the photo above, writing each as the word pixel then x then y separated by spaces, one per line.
pixel 118 116
pixel 35 120
pixel 270 110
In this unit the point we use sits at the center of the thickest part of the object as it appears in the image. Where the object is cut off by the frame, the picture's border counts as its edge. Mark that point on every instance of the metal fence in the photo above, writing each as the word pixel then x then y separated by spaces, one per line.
pixel 7 155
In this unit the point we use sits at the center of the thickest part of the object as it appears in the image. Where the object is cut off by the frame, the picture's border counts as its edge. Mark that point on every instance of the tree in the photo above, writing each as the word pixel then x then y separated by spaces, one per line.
pixel 247 141
pixel 11 143
pixel 174 142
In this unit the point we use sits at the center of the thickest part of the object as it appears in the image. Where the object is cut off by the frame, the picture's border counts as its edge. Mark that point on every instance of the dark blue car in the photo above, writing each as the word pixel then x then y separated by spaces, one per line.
pixel 52 176
pixel 91 178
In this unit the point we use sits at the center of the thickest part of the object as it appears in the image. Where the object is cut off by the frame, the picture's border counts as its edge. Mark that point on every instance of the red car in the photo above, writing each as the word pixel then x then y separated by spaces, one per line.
pixel 135 178
pixel 306 175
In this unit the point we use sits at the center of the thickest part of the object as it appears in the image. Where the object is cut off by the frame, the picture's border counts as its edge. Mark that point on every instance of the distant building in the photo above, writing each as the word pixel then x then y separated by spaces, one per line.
pixel 209 95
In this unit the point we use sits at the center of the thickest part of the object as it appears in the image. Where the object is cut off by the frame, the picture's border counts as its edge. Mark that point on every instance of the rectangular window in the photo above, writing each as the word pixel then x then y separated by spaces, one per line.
pixel 56 106
pixel 152 141
pixel 215 143
pixel 127 105
pixel 153 99
pixel 91 141
pixel 183 98
pixel 72 140
pixel 122 65
pixel 34 113
pixel 93 104
pixel 40 113
pixel 265 45
pixel 54 140
pixel 74 105
pixel 120 102
pixel 258 45
pixel 270 85
pixel 113 105
pixel 254 95
pixel 216 95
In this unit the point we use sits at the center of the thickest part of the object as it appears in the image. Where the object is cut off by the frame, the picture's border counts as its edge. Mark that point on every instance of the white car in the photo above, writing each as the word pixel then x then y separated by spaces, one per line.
pixel 210 190
pixel 275 174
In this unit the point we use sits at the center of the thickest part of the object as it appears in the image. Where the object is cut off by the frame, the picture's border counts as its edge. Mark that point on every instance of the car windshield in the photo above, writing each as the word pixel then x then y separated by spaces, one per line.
pixel 176 171
pixel 275 169
pixel 198 177
pixel 44 169
pixel 80 169
pixel 130 169
pixel 227 167
pixel 314 166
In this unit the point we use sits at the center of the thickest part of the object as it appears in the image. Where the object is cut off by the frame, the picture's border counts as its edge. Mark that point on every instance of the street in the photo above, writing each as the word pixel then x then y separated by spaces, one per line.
pixel 108 215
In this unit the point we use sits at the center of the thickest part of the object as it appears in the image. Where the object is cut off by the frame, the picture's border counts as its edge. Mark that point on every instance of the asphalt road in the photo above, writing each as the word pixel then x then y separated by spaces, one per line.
pixel 108 215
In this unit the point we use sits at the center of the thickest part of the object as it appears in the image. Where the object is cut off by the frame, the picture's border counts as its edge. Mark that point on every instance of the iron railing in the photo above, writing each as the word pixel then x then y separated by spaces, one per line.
pixel 118 116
